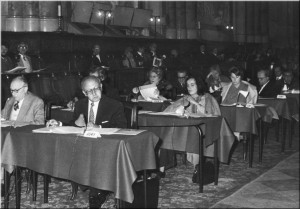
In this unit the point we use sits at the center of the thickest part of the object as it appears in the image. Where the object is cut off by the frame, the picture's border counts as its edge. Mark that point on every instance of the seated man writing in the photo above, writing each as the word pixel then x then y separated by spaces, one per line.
pixel 93 111
pixel 23 108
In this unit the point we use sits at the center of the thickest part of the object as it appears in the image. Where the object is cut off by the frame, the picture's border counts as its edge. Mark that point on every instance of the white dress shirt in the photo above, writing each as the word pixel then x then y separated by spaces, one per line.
pixel 95 109
pixel 14 113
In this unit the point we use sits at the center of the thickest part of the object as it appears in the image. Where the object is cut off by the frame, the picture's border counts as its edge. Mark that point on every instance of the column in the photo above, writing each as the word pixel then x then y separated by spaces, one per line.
pixel 171 19
pixel 180 20
pixel 31 20
pixel 239 11
pixel 249 22
pixel 48 16
pixel 191 24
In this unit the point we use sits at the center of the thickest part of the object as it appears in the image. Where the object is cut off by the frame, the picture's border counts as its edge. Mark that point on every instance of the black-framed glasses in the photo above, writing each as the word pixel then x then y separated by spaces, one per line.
pixel 16 90
pixel 93 91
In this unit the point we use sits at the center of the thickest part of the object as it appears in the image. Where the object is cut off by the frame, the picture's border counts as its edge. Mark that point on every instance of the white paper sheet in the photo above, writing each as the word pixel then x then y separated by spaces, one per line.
pixel 148 91
pixel 60 130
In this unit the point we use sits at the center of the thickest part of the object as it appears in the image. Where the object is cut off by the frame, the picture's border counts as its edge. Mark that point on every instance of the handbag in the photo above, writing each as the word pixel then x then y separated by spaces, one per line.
pixel 208 173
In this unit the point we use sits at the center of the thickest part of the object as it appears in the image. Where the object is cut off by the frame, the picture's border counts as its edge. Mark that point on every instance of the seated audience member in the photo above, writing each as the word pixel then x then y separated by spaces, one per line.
pixel 93 111
pixel 231 91
pixel 23 107
pixel 6 62
pixel 180 83
pixel 214 81
pixel 128 59
pixel 107 89
pixel 22 59
pixel 97 59
pixel 173 61
pixel 266 87
pixel 278 75
pixel 197 102
pixel 289 81
pixel 139 56
pixel 164 87
pixel 214 56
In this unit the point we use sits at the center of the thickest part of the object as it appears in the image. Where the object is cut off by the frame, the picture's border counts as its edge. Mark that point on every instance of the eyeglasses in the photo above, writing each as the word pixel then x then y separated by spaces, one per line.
pixel 16 90
pixel 261 78
pixel 93 91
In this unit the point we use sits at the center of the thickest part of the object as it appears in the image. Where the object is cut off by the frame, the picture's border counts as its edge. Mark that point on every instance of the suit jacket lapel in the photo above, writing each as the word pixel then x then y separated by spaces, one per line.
pixel 9 109
pixel 86 109
pixel 99 112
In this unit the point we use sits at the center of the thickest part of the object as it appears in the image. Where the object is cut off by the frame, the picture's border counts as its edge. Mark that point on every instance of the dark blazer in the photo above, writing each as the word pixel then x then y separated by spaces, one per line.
pixel 6 63
pixel 108 110
pixel 96 62
pixel 269 90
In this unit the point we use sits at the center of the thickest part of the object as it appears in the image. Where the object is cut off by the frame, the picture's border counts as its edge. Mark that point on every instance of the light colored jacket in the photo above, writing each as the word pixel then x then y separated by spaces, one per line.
pixel 31 112
pixel 252 96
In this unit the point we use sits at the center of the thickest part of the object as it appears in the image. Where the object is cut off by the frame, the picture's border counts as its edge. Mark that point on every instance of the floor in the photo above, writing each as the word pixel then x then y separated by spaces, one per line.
pixel 277 188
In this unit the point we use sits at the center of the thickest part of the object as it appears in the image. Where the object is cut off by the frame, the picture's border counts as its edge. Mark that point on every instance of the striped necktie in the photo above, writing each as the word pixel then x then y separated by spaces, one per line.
pixel 92 116
pixel 16 105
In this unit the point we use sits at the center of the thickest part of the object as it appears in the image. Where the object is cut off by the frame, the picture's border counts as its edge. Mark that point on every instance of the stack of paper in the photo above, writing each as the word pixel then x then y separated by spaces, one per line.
pixel 60 130
pixel 149 91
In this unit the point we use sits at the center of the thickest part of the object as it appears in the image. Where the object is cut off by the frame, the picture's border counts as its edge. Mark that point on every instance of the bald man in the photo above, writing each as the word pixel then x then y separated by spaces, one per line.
pixel 95 110
pixel 23 106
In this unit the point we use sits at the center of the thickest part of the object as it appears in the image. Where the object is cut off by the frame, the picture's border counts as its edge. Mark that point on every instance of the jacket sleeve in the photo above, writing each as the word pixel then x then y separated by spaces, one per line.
pixel 39 112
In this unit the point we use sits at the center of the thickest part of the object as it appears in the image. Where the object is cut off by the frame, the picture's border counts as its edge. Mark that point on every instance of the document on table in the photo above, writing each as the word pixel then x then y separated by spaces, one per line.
pixel 6 123
pixel 148 91
pixel 56 107
pixel 67 109
pixel 111 131
pixel 60 130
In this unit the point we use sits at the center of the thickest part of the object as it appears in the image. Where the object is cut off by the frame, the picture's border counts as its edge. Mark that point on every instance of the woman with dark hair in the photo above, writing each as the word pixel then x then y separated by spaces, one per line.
pixel 156 76
pixel 196 103
pixel 231 92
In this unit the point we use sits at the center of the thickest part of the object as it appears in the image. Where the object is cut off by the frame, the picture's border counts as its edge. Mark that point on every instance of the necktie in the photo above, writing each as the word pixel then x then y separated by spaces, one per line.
pixel 92 116
pixel 24 58
pixel 16 105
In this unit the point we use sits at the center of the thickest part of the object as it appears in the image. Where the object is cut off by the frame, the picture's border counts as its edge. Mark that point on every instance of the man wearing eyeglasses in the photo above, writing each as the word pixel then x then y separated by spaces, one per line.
pixel 93 111
pixel 23 107
pixel 266 87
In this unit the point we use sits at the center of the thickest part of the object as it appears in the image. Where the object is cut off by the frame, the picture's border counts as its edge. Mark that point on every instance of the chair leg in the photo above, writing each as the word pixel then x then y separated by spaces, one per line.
pixel 250 150
pixel 74 190
pixel 18 186
pixel 34 184
pixel 6 188
pixel 245 146
pixel 46 187
pixel 28 178
pixel 216 163
pixel 277 126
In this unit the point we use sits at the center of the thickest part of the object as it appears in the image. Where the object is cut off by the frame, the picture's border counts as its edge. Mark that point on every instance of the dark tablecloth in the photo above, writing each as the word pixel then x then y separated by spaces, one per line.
pixel 108 163
pixel 281 106
pixel 241 119
pixel 179 133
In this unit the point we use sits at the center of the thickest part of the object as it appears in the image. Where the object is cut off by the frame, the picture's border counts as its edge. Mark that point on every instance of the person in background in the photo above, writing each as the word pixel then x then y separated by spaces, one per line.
pixel 128 59
pixel 290 82
pixel 22 59
pixel 6 62
pixel 197 103
pixel 266 88
pixel 214 57
pixel 180 83
pixel 107 89
pixel 214 81
pixel 173 62
pixel 231 92
pixel 92 112
pixel 165 89
pixel 97 58
pixel 24 108
pixel 139 56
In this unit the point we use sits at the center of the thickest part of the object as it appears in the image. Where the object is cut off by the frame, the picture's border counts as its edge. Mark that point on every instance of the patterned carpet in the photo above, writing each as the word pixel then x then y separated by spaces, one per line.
pixel 177 189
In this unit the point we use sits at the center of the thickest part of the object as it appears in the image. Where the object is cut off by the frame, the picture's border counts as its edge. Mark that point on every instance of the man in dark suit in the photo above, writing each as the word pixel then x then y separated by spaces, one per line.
pixel 266 87
pixel 6 62
pixel 180 83
pixel 93 111
pixel 98 59
pixel 289 81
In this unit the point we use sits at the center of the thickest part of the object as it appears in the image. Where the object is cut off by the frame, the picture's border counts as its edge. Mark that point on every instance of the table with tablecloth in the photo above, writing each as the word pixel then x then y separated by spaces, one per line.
pixel 108 163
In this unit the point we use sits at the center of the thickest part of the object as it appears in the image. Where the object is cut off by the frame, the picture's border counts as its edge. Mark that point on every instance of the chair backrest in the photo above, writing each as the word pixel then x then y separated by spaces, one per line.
pixel 131 113
pixel 47 108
